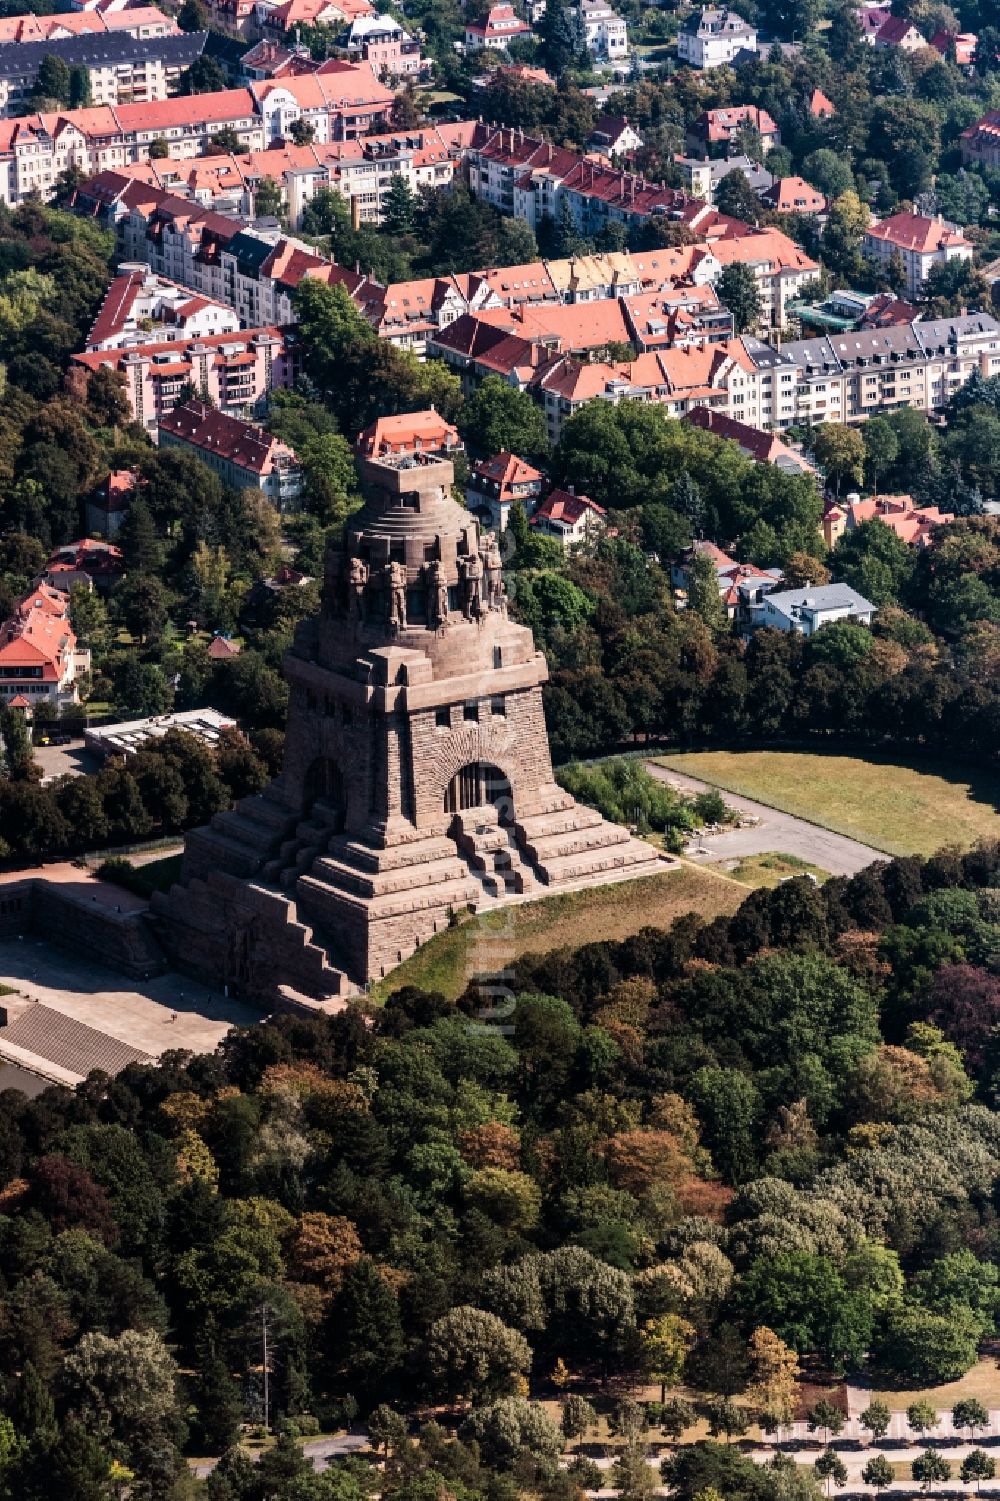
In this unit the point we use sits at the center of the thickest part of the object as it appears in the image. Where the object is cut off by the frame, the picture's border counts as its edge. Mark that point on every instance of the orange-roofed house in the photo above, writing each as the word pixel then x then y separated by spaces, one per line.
pixel 959 44
pixel 572 519
pixel 981 142
pixel 222 649
pixel 912 524
pixel 921 243
pixel 820 107
pixel 793 195
pixel 108 506
pixel 408 433
pixel 39 657
pixel 89 562
pixel 498 483
pixel 715 129
pixel 524 73
pixel 500 26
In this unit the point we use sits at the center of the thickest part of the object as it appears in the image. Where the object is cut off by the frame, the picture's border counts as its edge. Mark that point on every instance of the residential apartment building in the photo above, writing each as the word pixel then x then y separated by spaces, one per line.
pixel 981 142
pixel 139 21
pixel 120 68
pixel 702 175
pixel 341 101
pixel 912 524
pixel 236 371
pixel 572 520
pixel 361 170
pixel 244 456
pixel 793 195
pixel 715 130
pixel 920 242
pixel 36 149
pixel 140 308
pixel 604 30
pixel 807 610
pixel 849 377
pixel 40 660
pixel 744 379
pixel 498 483
pixel 713 37
pixel 780 267
pixel 500 26
pixel 762 447
pixel 387 47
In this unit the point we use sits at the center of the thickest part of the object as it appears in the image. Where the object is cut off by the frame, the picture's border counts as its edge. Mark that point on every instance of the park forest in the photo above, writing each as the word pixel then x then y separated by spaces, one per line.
pixel 725 1155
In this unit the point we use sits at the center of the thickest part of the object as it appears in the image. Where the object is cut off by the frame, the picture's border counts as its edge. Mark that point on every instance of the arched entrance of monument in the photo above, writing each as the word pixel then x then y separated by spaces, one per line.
pixel 324 784
pixel 476 786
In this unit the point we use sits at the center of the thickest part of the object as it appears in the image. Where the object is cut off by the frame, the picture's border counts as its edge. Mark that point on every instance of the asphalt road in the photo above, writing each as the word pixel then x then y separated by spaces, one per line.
pixel 319 1450
pixel 776 833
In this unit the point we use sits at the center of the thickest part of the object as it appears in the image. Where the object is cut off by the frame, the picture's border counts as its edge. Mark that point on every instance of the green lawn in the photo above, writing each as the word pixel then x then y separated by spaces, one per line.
pixel 901 808
pixel 770 870
pixel 489 943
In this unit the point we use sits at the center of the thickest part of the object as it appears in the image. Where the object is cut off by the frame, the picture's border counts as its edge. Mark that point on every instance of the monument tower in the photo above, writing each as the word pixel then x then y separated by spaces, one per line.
pixel 417 779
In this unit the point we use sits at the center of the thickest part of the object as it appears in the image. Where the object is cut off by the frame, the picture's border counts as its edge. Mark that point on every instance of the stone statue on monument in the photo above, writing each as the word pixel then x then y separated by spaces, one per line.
pixel 471 570
pixel 437 594
pixel 493 571
pixel 357 583
pixel 395 584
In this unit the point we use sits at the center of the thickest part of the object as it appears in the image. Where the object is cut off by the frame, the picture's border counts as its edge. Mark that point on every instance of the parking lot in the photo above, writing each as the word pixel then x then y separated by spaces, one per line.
pixel 65 760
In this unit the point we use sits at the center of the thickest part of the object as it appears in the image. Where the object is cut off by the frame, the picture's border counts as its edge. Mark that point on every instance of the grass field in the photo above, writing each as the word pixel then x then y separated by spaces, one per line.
pixel 770 870
pixel 490 942
pixel 982 1382
pixel 901 808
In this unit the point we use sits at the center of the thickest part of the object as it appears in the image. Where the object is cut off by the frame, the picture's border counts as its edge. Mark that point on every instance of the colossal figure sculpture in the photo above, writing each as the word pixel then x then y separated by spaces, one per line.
pixel 416 780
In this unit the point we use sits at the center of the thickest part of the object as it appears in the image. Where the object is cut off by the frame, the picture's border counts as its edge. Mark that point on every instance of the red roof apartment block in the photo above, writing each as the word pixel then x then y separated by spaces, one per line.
pixel 244 456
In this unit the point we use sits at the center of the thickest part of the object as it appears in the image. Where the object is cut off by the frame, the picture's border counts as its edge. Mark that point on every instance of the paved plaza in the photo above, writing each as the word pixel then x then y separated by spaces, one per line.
pixel 149 1017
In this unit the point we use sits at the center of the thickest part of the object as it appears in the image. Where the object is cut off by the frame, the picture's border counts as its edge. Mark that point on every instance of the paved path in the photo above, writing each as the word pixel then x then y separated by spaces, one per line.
pixel 319 1450
pixel 777 833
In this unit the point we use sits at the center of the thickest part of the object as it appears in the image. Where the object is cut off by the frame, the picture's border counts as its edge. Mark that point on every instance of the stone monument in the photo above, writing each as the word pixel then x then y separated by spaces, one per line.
pixel 417 779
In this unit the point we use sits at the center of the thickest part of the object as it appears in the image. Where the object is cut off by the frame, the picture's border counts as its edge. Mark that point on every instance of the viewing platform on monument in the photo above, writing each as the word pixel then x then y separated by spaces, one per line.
pixel 417 779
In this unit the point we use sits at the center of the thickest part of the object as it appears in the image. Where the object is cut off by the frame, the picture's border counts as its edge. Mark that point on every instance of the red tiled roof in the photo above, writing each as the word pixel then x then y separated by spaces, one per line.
pixel 561 506
pixel 793 195
pixel 505 470
pixel 38 635
pixel 181 350
pixel 240 443
pixel 407 432
pixel 895 29
pixel 915 232
pixel 820 106
pixel 222 650
pixel 720 124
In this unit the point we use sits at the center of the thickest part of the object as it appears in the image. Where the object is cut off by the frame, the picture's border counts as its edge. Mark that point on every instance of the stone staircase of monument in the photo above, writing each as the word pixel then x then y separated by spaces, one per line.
pixel 423 874
pixel 571 843
pixel 492 853
pixel 241 840
pixel 310 838
pixel 292 950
